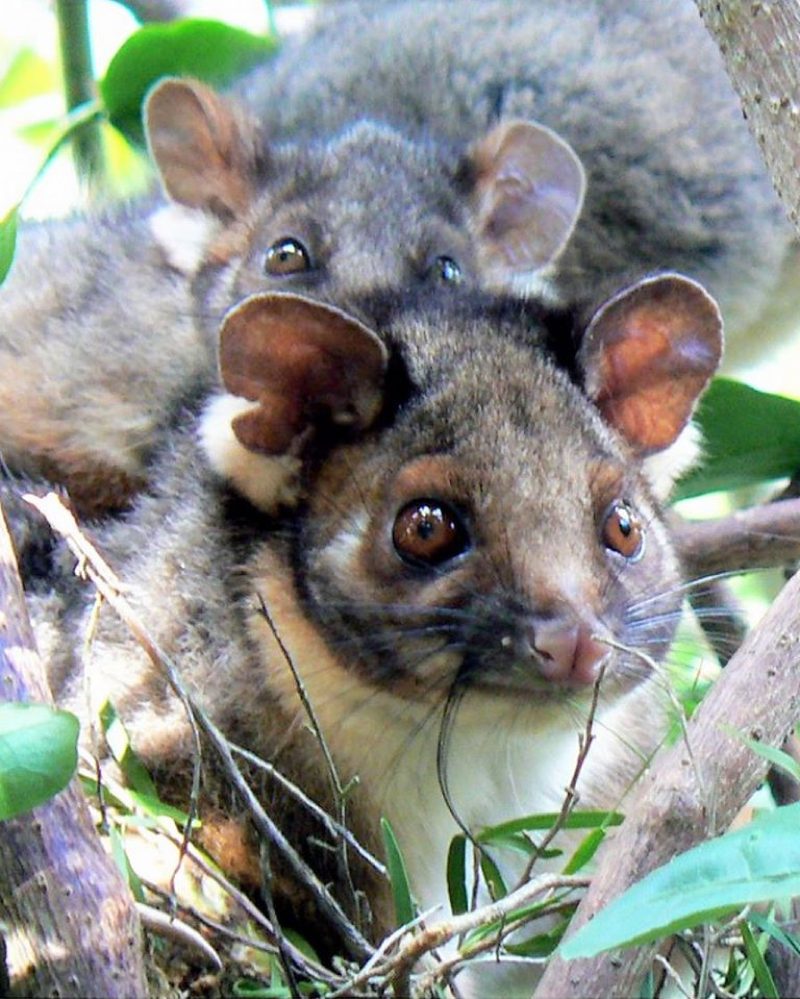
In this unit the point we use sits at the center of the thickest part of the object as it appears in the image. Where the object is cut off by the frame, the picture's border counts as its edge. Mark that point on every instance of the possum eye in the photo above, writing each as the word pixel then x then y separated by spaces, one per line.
pixel 427 532
pixel 286 256
pixel 623 531
pixel 445 269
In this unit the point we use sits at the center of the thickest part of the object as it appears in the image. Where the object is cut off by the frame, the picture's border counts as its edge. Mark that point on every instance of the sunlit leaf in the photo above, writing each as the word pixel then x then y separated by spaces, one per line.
pixel 8 242
pixel 29 75
pixel 210 50
pixel 529 823
pixel 398 877
pixel 38 755
pixel 756 864
pixel 749 436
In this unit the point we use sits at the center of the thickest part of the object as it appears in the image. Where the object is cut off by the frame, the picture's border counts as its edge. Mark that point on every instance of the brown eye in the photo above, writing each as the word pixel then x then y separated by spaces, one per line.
pixel 445 269
pixel 428 533
pixel 287 256
pixel 623 531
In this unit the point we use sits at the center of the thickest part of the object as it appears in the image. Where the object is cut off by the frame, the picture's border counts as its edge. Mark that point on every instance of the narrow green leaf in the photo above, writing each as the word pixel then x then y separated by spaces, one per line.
pixel 749 437
pixel 404 908
pixel 494 879
pixel 759 965
pixel 136 773
pixel 788 940
pixel 457 874
pixel 29 75
pixel 586 850
pixel 121 858
pixel 8 241
pixel 38 755
pixel 546 820
pixel 210 50
pixel 541 945
pixel 756 864
pixel 775 756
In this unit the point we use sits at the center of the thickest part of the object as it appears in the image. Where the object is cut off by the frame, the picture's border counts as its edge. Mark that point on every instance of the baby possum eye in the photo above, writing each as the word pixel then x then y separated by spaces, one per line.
pixel 445 269
pixel 623 531
pixel 286 256
pixel 427 532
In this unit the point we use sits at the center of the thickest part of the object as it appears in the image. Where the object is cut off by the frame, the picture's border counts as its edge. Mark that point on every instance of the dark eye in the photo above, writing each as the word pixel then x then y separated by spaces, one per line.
pixel 428 533
pixel 286 256
pixel 623 531
pixel 445 269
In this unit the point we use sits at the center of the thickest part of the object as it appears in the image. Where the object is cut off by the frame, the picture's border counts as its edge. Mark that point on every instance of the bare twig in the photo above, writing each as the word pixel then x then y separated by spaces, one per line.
pixel 169 926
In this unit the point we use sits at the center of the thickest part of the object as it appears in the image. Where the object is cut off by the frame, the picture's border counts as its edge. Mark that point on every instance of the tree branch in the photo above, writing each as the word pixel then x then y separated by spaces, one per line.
pixel 73 929
pixel 694 790
pixel 760 43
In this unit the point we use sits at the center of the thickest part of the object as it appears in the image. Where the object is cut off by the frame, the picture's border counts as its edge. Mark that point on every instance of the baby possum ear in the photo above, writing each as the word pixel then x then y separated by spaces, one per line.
pixel 647 356
pixel 295 370
pixel 528 194
pixel 203 148
pixel 205 152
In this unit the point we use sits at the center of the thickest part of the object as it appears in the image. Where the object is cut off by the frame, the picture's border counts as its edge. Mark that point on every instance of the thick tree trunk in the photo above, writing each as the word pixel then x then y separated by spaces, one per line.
pixel 71 925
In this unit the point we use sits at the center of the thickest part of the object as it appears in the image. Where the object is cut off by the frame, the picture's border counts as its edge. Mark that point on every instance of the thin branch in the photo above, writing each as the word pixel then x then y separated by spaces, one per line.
pixel 79 87
pixel 758 538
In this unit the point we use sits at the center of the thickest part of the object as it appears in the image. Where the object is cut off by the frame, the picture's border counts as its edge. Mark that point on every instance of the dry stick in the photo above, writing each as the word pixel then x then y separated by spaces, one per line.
pixel 72 925
pixel 339 792
pixel 432 937
pixel 759 694
pixel 168 926
pixel 62 521
pixel 334 828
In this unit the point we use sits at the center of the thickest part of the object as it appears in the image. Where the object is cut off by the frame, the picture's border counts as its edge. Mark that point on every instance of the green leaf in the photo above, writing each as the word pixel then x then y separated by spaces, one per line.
pixel 546 820
pixel 123 863
pixel 775 756
pixel 404 909
pixel 38 755
pixel 210 50
pixel 788 940
pixel 457 874
pixel 762 973
pixel 750 437
pixel 586 850
pixel 541 945
pixel 494 879
pixel 136 773
pixel 29 75
pixel 756 864
pixel 8 241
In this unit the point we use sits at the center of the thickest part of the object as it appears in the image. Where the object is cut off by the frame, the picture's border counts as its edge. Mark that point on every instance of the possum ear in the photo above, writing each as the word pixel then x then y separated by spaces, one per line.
pixel 296 370
pixel 528 193
pixel 648 354
pixel 203 147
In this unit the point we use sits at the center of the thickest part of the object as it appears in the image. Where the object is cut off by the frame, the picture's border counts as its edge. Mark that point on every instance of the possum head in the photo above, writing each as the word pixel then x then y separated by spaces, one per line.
pixel 498 527
pixel 368 209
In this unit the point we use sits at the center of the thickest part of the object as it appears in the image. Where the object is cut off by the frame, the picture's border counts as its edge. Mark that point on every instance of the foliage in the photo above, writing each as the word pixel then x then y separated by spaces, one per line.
pixel 38 755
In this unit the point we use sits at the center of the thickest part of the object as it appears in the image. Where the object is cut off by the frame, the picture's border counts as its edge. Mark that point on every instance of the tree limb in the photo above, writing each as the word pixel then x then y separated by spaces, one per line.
pixel 73 929
pixel 694 790
pixel 760 43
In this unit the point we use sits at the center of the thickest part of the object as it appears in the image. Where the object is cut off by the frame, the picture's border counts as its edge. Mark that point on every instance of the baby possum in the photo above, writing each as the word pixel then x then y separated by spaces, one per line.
pixel 108 323
pixel 440 519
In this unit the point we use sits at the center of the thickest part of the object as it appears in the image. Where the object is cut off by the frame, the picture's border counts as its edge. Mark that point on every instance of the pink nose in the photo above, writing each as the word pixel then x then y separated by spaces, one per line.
pixel 567 651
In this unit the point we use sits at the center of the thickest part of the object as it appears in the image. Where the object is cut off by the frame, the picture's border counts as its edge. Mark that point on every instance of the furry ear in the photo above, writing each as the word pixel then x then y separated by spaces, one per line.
pixel 294 369
pixel 528 194
pixel 647 356
pixel 203 147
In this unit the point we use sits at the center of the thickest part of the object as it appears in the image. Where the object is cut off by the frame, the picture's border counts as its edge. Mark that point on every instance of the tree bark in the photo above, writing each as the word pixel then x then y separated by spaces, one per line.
pixel 694 790
pixel 760 42
pixel 71 924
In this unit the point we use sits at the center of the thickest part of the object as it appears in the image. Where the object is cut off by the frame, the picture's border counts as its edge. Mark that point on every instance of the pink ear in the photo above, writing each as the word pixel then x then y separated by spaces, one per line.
pixel 647 356
pixel 203 148
pixel 307 365
pixel 528 195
